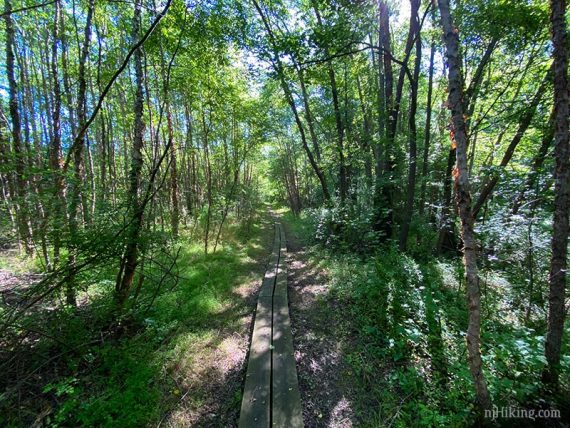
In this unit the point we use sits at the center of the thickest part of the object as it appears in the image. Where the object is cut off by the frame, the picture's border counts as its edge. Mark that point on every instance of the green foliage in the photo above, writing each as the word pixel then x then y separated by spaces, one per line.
pixel 344 229
pixel 405 341
pixel 222 119
pixel 115 374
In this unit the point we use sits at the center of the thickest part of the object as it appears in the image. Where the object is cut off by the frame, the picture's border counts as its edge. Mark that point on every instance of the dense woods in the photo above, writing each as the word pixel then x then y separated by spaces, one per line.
pixel 416 150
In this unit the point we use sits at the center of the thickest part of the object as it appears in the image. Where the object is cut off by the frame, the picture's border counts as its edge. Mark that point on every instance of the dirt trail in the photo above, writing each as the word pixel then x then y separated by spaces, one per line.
pixel 14 285
pixel 323 377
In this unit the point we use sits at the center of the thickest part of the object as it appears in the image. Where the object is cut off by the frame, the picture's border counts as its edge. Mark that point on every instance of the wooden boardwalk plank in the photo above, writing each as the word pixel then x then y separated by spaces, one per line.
pixel 281 283
pixel 268 283
pixel 283 243
pixel 286 399
pixel 281 274
pixel 255 406
pixel 271 393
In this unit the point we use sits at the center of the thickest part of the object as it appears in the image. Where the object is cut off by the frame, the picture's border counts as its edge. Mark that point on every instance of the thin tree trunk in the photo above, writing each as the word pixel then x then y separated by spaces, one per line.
pixel 463 200
pixel 367 134
pixel 427 132
pixel 278 66
pixel 77 191
pixel 190 190
pixel 175 219
pixel 308 114
pixel 21 182
pixel 59 213
pixel 343 179
pixel 208 173
pixel 524 123
pixel 413 147
pixel 557 278
pixel 129 261
pixel 538 162
pixel 378 77
pixel 7 177
pixel 447 238
pixel 174 200
pixel 38 222
pixel 383 193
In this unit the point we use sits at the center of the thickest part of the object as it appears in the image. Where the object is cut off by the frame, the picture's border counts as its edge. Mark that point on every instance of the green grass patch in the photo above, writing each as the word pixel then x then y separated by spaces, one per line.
pixel 126 374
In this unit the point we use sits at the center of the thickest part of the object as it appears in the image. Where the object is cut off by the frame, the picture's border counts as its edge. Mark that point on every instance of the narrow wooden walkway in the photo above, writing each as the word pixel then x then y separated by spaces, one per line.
pixel 271 395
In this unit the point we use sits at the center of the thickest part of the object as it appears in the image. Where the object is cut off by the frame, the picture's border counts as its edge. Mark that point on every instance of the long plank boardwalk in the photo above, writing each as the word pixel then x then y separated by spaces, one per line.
pixel 271 394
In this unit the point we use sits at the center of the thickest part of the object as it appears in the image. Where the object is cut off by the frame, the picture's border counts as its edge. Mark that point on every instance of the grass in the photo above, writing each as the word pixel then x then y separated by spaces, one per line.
pixel 13 262
pixel 161 364
pixel 299 225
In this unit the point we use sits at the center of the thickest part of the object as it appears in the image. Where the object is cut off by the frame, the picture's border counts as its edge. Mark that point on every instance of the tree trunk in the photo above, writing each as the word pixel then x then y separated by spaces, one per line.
pixel 308 114
pixel 538 162
pixel 343 179
pixel 557 278
pixel 383 191
pixel 524 123
pixel 77 191
pixel 6 174
pixel 447 237
pixel 129 261
pixel 208 173
pixel 381 120
pixel 427 132
pixel 175 220
pixel 413 147
pixel 59 213
pixel 463 200
pixel 21 182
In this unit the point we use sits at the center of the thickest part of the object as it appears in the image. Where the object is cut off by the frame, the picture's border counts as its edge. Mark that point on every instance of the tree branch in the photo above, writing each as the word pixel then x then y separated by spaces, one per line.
pixel 24 9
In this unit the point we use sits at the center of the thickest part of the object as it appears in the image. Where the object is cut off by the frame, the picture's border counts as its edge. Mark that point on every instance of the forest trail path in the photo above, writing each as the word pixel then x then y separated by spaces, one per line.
pixel 321 340
pixel 271 395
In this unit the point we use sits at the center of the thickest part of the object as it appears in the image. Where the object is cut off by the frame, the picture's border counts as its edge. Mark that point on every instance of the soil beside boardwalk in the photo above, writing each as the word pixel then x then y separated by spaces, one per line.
pixel 324 379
